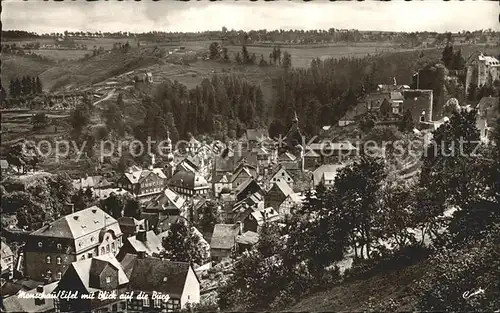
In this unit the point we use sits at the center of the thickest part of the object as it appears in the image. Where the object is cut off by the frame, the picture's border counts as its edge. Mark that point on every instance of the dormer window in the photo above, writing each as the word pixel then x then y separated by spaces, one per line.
pixel 48 259
pixel 58 260
pixel 40 244
pixel 108 279
pixel 59 246
pixel 59 276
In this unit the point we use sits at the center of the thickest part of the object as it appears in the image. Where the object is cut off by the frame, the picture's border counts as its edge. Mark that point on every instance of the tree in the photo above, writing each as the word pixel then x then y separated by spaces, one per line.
pixel 132 208
pixel 238 58
pixel 183 245
pixel 356 191
pixel 214 50
pixel 114 205
pixel 406 124
pixel 120 103
pixel 448 56
pixel 79 119
pixel 209 217
pixel 113 118
pixel 225 55
pixel 245 55
pixel 83 199
pixel 287 61
pixel 39 121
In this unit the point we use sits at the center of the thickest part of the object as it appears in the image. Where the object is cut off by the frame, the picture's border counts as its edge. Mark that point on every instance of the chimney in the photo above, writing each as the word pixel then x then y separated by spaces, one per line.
pixel 141 236
pixel 70 207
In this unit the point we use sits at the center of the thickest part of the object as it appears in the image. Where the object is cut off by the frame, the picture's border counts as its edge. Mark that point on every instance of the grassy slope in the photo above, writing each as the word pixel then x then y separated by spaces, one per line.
pixel 360 295
pixel 14 66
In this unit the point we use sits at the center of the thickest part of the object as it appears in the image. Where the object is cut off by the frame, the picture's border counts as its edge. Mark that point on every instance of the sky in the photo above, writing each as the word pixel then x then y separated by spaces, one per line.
pixel 171 16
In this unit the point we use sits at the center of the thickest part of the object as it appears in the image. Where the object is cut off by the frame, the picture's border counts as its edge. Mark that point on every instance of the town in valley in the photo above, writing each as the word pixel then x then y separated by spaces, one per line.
pixel 156 168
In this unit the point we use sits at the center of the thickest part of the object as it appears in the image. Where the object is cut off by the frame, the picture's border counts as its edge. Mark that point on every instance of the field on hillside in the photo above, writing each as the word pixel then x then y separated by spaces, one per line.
pixel 14 66
pixel 62 54
pixel 302 57
pixel 106 43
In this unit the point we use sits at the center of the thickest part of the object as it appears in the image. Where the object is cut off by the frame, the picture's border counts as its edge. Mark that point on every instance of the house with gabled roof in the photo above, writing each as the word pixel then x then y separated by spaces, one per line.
pixel 84 234
pixel 130 225
pixel 90 277
pixel 294 200
pixel 241 174
pixel 25 300
pixel 168 202
pixel 281 174
pixel 223 240
pixel 247 240
pixel 330 169
pixel 312 159
pixel 220 181
pixel 92 182
pixel 146 242
pixel 175 284
pixel 189 184
pixel 143 184
pixel 256 219
pixel 249 187
pixel 277 194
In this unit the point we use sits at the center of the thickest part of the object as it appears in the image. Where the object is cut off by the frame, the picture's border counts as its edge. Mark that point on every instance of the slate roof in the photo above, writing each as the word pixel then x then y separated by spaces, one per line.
pixel 248 238
pixel 128 262
pixel 243 187
pixel 332 168
pixel 5 250
pixel 153 274
pixel 287 156
pixel 91 182
pixel 4 164
pixel 329 175
pixel 224 236
pixel 259 216
pixel 95 265
pixel 129 225
pixel 189 180
pixel 151 245
pixel 166 200
pixel 10 288
pixel 79 224
pixel 283 187
pixel 17 304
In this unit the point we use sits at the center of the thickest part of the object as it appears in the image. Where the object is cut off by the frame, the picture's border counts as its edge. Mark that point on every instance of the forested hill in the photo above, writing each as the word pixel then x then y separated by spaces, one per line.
pixel 225 105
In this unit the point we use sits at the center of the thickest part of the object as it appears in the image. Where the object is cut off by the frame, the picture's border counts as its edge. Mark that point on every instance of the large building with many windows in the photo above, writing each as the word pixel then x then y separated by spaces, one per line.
pixel 78 236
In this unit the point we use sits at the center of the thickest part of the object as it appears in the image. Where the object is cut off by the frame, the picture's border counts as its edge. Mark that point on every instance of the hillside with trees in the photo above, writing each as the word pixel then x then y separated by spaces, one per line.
pixel 408 254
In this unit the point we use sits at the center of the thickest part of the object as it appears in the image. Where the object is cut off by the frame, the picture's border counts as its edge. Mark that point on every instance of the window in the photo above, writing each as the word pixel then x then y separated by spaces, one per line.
pixel 102 250
pixel 107 248
pixel 48 259
pixel 59 246
pixel 83 257
pixel 395 110
pixel 108 279
pixel 145 302
pixel 114 308
pixel 59 276
pixel 58 260
pixel 124 305
pixel 40 244
pixel 422 118
pixel 157 303
pixel 91 239
pixel 90 255
pixel 113 246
